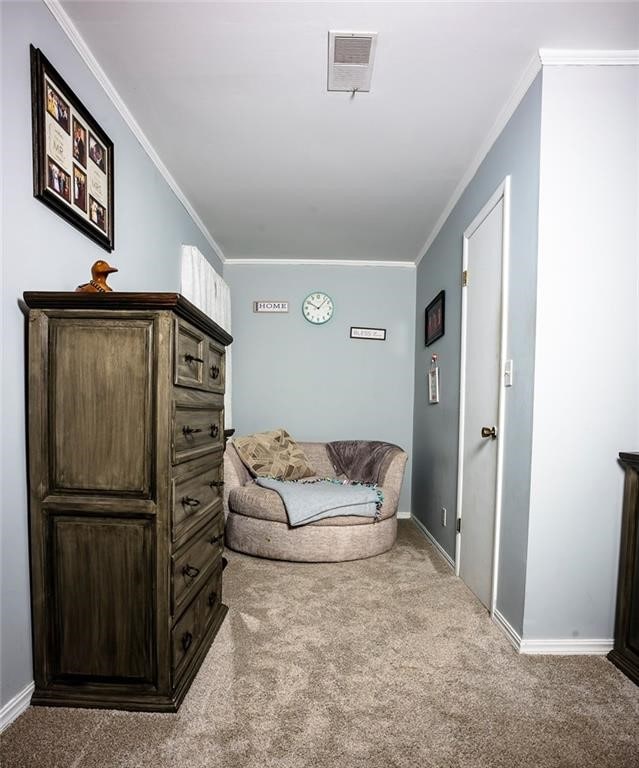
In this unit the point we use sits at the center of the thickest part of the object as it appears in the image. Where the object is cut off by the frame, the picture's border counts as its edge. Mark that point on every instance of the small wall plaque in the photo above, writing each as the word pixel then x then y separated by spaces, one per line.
pixel 373 334
pixel 433 380
pixel 270 306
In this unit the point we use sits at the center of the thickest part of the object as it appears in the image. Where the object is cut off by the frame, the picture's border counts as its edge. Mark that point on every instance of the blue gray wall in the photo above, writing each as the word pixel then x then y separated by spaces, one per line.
pixel 40 251
pixel 436 427
pixel 315 381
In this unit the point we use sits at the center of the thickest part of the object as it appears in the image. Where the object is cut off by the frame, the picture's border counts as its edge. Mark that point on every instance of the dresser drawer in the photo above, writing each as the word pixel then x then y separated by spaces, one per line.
pixel 189 631
pixel 198 361
pixel 198 425
pixel 196 493
pixel 191 355
pixel 215 373
pixel 211 596
pixel 191 564
pixel 186 635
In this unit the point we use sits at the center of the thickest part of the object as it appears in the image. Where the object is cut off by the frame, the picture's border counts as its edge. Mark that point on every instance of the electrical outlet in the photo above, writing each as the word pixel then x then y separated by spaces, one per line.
pixel 443 516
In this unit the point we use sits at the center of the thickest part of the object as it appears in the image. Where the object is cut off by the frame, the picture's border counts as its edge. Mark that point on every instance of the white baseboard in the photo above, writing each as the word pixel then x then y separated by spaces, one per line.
pixel 449 560
pixel 567 646
pixel 552 646
pixel 507 628
pixel 16 706
pixel 403 514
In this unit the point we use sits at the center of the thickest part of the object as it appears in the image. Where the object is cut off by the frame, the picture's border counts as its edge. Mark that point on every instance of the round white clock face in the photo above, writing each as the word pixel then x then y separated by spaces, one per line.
pixel 318 308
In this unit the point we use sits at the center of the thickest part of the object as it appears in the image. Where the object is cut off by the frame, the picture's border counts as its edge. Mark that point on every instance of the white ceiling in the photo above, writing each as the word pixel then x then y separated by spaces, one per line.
pixel 232 96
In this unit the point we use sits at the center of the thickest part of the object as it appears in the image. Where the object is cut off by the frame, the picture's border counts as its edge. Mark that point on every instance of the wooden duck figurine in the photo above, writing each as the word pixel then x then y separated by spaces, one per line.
pixel 99 273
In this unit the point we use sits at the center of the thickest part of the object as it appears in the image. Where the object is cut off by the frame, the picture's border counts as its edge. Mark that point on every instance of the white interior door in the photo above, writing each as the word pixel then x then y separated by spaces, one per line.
pixel 482 415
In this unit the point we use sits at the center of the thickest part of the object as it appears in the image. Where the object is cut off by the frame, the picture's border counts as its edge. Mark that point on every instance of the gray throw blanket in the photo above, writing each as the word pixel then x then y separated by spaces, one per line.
pixel 363 461
pixel 306 502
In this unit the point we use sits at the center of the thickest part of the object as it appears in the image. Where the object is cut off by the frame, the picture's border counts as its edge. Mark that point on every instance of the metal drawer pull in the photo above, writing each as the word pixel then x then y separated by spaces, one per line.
pixel 212 598
pixel 190 570
pixel 215 371
pixel 217 483
pixel 215 539
pixel 187 501
pixel 192 359
pixel 186 430
pixel 187 639
pixel 215 430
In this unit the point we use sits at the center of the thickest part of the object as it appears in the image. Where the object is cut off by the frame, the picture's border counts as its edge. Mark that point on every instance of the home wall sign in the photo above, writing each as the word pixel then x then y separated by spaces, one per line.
pixel 72 155
pixel 270 306
pixel 374 334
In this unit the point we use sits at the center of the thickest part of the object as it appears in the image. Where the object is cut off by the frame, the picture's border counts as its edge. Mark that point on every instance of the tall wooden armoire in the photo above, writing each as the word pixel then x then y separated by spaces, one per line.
pixel 126 438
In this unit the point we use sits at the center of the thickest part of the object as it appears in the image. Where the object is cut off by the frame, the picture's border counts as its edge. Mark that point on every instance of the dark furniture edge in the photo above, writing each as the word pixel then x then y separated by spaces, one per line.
pixel 624 664
pixel 128 301
pixel 630 458
pixel 624 654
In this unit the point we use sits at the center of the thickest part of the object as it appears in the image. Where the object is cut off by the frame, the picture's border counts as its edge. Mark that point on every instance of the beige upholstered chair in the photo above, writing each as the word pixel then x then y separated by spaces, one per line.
pixel 256 521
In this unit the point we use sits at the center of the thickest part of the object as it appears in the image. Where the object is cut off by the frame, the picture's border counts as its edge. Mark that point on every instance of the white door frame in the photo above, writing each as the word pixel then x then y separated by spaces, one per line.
pixel 502 192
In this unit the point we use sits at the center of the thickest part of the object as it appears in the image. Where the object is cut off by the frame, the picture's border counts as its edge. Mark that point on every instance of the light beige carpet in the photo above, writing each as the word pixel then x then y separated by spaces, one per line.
pixel 380 663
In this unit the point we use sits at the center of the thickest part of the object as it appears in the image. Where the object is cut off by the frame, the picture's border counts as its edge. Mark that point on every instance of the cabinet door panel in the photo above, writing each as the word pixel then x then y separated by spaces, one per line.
pixel 100 409
pixel 102 600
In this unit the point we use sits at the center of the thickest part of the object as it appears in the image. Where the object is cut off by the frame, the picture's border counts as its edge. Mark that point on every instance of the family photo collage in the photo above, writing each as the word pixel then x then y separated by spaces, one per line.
pixel 76 160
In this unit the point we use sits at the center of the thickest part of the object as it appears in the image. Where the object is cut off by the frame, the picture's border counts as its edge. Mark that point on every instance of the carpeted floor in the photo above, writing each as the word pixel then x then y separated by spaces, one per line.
pixel 381 663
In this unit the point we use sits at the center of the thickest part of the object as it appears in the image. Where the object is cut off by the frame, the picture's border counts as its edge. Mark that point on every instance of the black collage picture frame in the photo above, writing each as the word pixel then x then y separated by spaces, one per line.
pixel 72 155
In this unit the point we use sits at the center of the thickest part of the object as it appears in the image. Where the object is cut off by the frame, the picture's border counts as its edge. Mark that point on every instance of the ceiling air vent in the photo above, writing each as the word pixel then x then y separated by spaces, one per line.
pixel 350 60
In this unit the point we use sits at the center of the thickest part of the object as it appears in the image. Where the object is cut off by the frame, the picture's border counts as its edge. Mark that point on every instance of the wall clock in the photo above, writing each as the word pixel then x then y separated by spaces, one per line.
pixel 318 308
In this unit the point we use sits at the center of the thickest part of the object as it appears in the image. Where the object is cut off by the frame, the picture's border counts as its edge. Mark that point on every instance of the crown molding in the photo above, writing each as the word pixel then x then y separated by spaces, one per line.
pixel 71 31
pixel 557 57
pixel 525 81
pixel 319 262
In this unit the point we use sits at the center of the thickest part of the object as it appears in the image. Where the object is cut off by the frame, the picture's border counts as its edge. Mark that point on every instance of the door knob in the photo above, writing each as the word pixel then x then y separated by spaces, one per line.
pixel 489 432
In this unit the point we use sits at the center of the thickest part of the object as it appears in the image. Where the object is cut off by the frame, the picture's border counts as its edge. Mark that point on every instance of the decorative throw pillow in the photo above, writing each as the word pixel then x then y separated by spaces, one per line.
pixel 273 454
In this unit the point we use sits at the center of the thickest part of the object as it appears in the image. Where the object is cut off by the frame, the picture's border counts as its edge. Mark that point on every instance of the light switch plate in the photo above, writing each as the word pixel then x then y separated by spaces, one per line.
pixel 508 373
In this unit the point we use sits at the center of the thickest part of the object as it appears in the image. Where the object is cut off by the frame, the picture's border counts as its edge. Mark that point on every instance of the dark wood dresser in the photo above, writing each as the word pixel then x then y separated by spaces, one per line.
pixel 625 654
pixel 126 438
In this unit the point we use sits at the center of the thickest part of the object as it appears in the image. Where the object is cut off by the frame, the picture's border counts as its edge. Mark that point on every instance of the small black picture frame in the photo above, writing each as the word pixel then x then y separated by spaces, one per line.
pixel 72 155
pixel 435 317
